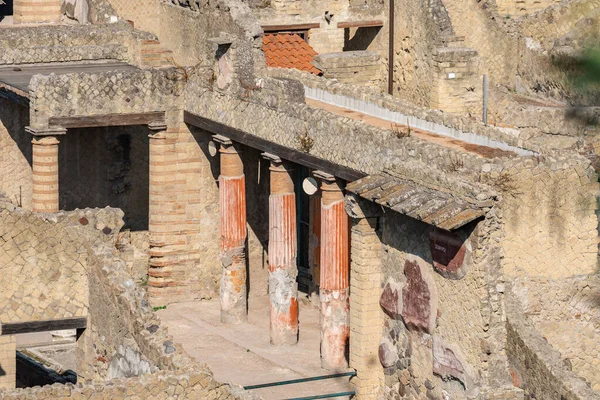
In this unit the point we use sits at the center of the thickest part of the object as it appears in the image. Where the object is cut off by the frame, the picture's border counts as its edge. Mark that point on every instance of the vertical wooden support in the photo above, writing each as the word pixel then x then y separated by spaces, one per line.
pixel 232 199
pixel 283 269
pixel 45 171
pixel 334 289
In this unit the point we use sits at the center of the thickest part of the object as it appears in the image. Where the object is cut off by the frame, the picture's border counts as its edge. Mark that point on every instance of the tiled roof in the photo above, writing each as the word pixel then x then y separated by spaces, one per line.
pixel 288 50
pixel 444 210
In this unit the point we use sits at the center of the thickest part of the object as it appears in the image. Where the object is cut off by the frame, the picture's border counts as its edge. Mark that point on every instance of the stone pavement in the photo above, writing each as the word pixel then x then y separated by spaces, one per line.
pixel 241 354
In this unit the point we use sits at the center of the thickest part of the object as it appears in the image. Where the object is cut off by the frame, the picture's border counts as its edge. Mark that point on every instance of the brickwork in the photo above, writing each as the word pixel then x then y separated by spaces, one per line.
pixel 8 361
pixel 45 174
pixel 35 11
pixel 366 317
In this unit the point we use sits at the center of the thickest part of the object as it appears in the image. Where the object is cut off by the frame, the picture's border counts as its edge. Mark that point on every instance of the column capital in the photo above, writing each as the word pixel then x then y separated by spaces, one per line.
pixel 324 176
pixel 359 208
pixel 48 131
pixel 222 140
pixel 45 141
pixel 271 157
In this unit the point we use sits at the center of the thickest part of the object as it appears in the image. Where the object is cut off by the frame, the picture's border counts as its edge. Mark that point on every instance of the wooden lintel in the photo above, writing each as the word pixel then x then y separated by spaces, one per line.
pixel 94 121
pixel 15 328
pixel 290 27
pixel 285 153
pixel 360 24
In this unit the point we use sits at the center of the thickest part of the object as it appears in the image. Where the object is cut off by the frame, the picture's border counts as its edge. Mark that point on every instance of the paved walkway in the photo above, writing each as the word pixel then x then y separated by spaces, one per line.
pixel 242 355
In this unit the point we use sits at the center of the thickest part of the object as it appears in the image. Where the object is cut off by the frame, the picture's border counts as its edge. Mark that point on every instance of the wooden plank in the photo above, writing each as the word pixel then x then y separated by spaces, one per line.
pixel 461 219
pixel 360 24
pixel 290 27
pixel 15 328
pixel 92 121
pixel 286 153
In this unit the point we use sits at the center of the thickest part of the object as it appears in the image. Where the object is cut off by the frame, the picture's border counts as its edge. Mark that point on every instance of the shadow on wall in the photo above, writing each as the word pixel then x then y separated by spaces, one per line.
pixel 101 167
pixel 361 39
pixel 15 153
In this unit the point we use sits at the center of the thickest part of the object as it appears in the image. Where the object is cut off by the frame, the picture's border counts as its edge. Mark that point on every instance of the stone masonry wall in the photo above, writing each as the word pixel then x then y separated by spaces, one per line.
pixel 537 366
pixel 565 313
pixel 520 7
pixel 70 43
pixel 15 154
pixel 40 263
pixel 551 210
pixel 104 93
pixel 436 326
pixel 123 333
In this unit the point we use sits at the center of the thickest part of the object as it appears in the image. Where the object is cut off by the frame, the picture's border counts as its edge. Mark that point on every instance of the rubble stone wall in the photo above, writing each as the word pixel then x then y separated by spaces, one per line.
pixel 40 262
pixel 551 209
pixel 457 316
pixel 536 365
pixel 565 312
pixel 103 93
pixel 70 43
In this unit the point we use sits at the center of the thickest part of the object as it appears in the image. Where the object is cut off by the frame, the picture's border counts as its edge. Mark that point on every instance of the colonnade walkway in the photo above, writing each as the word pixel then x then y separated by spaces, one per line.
pixel 241 354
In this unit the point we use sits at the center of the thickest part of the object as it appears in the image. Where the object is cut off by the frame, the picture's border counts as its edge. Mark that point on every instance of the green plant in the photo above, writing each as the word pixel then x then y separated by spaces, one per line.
pixel 305 141
pixel 401 131
pixel 144 280
pixel 159 308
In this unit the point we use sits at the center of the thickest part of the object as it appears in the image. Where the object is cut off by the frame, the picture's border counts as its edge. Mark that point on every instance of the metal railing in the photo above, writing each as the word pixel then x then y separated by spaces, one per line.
pixel 311 379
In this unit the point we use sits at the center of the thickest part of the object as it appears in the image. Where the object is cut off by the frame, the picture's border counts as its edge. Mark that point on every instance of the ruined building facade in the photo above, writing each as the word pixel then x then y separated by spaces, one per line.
pixel 447 256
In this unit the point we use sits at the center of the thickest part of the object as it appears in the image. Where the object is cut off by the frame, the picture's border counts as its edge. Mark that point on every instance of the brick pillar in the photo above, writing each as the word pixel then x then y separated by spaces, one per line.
pixel 36 11
pixel 283 270
pixel 232 200
pixel 45 174
pixel 8 362
pixel 334 291
pixel 162 204
pixel 366 317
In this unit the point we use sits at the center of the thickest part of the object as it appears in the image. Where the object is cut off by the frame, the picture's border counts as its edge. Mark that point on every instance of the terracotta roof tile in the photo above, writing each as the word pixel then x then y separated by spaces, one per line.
pixel 288 50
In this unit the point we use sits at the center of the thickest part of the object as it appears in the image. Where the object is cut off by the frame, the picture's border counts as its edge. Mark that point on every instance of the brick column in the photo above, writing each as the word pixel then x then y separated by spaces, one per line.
pixel 36 11
pixel 8 361
pixel 162 199
pixel 283 270
pixel 45 171
pixel 334 291
pixel 366 316
pixel 232 200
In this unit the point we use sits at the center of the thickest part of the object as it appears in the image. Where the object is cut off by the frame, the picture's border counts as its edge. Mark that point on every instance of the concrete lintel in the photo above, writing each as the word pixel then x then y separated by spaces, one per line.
pixel 49 131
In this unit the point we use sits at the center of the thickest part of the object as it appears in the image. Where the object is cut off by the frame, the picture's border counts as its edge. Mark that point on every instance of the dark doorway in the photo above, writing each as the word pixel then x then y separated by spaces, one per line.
pixel 6 8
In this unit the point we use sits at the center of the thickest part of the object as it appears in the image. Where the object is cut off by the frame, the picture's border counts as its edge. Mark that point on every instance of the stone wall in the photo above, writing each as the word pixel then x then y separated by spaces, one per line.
pixel 520 7
pixel 8 364
pixel 133 91
pixel 40 263
pixel 565 313
pixel 441 326
pixel 550 208
pixel 123 338
pixel 358 67
pixel 15 154
pixel 536 366
pixel 38 44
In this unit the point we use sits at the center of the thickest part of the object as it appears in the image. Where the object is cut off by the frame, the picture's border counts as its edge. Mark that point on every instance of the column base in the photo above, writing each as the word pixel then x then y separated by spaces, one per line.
pixel 335 329
pixel 234 302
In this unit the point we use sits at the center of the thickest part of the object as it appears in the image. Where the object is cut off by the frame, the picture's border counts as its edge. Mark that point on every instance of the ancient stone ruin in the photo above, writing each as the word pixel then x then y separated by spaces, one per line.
pixel 205 199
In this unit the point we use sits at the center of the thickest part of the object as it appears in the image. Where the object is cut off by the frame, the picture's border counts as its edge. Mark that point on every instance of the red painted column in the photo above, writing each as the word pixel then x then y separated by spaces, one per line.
pixel 232 200
pixel 283 270
pixel 334 292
